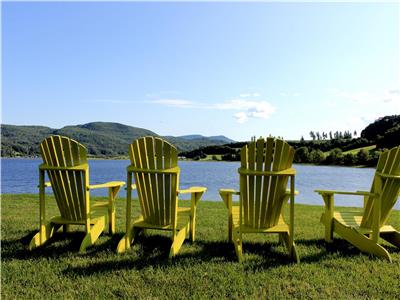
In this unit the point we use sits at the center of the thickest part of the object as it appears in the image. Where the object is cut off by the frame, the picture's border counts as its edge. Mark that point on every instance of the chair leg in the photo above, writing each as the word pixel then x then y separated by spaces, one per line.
pixel 237 243
pixel 328 223
pixel 112 193
pixel 291 247
pixel 238 249
pixel 93 235
pixel 361 241
pixel 192 234
pixel 127 240
pixel 177 241
pixel 46 232
pixel 230 228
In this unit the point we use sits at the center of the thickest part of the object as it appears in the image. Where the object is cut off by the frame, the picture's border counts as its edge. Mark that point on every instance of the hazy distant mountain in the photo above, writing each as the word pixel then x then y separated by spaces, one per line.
pixel 103 139
pixel 199 136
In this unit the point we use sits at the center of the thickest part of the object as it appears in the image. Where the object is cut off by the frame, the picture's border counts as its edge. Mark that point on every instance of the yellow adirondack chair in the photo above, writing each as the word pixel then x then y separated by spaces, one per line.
pixel 154 165
pixel 66 165
pixel 363 229
pixel 265 168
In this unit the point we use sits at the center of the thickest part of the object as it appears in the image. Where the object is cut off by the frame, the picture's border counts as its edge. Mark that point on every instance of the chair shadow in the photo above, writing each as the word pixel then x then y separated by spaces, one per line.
pixel 60 245
pixel 339 246
pixel 153 250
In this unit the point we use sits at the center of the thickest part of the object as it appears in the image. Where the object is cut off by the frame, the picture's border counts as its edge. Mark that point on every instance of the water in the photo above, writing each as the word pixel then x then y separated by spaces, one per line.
pixel 21 176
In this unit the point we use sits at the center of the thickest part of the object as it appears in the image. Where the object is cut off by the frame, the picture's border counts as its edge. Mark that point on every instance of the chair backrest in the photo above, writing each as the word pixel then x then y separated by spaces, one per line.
pixel 388 164
pixel 262 197
pixel 69 185
pixel 154 163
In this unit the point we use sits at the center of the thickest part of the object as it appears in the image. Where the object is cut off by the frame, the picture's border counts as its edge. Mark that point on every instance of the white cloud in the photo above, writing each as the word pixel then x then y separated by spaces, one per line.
pixel 241 117
pixel 244 95
pixel 246 108
pixel 247 95
pixel 180 103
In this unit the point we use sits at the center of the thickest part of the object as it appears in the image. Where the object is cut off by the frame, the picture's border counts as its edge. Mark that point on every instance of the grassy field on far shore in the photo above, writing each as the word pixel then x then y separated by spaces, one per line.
pixel 205 269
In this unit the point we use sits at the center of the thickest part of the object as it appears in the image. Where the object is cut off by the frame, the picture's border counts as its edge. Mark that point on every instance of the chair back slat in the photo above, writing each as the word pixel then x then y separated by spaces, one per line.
pixel 268 150
pixel 262 196
pixel 160 180
pixel 244 191
pixel 157 190
pixel 259 180
pixel 388 164
pixel 68 185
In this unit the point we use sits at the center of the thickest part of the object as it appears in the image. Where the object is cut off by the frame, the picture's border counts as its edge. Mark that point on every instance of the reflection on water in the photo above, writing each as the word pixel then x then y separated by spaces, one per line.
pixel 21 176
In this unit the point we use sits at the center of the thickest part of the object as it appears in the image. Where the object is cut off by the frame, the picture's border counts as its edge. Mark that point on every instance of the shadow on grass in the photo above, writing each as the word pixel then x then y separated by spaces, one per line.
pixel 339 246
pixel 152 250
pixel 60 245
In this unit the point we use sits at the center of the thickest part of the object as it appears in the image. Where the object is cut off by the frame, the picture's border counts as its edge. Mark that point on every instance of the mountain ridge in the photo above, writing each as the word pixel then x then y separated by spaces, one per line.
pixel 199 136
pixel 102 139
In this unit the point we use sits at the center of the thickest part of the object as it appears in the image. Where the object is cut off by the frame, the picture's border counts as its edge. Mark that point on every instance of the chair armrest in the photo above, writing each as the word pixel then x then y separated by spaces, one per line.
pixel 229 191
pixel 193 189
pixel 110 184
pixel 388 175
pixel 226 195
pixel 357 193
pixel 197 192
pixel 327 196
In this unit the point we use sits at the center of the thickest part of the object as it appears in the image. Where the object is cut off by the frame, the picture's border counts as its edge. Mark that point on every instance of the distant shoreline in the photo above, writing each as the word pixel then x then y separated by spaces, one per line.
pixel 192 160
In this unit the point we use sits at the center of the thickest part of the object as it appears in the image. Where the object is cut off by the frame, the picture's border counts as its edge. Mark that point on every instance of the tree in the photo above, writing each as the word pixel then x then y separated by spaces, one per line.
pixel 316 156
pixel 318 136
pixel 335 157
pixel 301 155
pixel 336 135
pixel 302 141
pixel 379 127
pixel 362 157
pixel 355 133
pixel 347 135
pixel 330 135
pixel 312 135
pixel 349 159
pixel 390 139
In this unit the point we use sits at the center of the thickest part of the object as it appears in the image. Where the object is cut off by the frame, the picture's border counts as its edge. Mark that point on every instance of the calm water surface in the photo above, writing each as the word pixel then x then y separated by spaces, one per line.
pixel 21 176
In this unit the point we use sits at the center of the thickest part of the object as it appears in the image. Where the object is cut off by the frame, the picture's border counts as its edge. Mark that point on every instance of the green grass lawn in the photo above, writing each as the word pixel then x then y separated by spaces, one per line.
pixel 204 269
pixel 355 151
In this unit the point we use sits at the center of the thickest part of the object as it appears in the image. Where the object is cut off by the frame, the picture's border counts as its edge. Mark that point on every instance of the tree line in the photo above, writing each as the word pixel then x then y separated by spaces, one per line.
pixel 332 136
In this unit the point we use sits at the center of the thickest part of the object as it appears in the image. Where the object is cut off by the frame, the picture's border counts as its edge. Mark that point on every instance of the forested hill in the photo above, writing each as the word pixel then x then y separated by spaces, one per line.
pixel 339 149
pixel 102 139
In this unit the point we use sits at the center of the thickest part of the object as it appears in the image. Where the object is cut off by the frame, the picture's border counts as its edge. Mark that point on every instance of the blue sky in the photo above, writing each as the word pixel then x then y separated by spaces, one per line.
pixel 237 69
